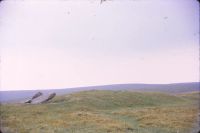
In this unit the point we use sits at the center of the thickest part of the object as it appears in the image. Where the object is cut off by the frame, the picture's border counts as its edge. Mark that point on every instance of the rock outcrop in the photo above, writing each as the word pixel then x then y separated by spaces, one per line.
pixel 51 96
pixel 37 95
pixel 40 98
pixel 34 97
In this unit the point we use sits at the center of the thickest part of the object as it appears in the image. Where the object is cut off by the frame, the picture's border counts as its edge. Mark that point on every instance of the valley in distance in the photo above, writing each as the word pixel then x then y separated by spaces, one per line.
pixel 118 108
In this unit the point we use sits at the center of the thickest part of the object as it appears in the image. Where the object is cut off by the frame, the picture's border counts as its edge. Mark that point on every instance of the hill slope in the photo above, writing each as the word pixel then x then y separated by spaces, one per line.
pixel 103 111
pixel 6 96
pixel 105 99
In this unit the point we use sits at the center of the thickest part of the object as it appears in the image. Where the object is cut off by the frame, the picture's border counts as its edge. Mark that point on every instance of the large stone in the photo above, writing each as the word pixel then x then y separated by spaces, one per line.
pixel 43 98
pixel 40 98
pixel 51 96
pixel 38 94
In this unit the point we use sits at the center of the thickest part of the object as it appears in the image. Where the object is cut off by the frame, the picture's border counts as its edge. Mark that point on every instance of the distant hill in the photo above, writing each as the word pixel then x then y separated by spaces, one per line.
pixel 175 88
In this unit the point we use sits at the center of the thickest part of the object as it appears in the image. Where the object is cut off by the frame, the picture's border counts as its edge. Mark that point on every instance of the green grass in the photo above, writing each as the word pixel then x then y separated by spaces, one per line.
pixel 102 112
pixel 193 96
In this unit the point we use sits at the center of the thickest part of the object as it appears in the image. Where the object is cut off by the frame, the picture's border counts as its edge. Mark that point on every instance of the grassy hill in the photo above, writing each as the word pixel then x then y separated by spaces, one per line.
pixel 175 88
pixel 104 111
pixel 99 99
pixel 194 96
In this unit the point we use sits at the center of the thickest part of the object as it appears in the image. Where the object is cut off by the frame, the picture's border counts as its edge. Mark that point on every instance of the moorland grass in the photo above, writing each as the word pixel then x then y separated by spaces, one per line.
pixel 102 112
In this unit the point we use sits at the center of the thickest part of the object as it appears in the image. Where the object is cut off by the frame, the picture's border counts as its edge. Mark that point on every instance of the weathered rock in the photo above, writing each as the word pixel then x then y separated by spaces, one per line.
pixel 51 96
pixel 37 95
pixel 40 98
pixel 28 101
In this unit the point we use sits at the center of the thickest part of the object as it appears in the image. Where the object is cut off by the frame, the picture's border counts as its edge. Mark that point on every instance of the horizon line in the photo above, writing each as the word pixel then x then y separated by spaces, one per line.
pixel 102 85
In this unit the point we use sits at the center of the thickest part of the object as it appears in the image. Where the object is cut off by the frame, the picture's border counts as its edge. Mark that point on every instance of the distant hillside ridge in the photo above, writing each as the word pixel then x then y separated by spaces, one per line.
pixel 108 99
pixel 174 88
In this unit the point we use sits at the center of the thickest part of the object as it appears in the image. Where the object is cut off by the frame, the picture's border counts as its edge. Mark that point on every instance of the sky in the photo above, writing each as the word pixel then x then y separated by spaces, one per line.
pixel 73 43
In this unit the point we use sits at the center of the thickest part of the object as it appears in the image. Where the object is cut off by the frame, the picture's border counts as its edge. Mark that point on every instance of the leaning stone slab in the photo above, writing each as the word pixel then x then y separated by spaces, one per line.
pixel 38 94
pixel 43 98
pixel 51 96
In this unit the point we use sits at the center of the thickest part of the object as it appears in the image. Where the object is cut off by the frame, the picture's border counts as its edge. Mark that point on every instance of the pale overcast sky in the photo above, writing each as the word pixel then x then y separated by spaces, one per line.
pixel 72 43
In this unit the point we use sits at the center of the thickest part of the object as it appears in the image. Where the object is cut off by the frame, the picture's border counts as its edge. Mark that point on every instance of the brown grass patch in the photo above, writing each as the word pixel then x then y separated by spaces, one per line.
pixel 98 120
pixel 167 117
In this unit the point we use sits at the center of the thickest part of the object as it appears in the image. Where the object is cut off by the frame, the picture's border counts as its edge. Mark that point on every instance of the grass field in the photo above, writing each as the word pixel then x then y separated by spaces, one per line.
pixel 104 112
